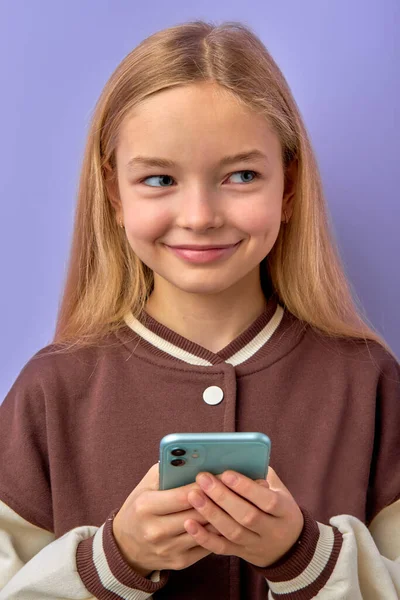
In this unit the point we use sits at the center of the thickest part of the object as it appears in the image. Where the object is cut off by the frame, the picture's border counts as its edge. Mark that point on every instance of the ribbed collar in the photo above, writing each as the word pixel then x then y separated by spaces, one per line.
pixel 250 345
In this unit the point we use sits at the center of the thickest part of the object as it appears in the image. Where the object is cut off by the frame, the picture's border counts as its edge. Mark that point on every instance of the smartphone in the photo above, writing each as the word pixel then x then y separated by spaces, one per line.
pixel 183 455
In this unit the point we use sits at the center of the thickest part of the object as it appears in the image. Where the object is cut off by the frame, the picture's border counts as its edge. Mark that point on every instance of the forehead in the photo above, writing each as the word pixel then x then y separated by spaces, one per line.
pixel 196 121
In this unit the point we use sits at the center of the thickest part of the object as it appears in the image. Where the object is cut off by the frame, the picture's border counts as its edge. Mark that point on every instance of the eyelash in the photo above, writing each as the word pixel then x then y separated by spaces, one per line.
pixel 255 174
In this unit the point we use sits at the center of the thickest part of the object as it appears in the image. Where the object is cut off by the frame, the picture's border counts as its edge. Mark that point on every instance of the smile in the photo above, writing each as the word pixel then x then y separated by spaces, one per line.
pixel 203 254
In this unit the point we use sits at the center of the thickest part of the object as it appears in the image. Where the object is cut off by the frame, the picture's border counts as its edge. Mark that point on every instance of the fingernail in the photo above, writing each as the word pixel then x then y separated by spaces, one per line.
pixel 197 499
pixel 205 482
pixel 230 478
pixel 192 528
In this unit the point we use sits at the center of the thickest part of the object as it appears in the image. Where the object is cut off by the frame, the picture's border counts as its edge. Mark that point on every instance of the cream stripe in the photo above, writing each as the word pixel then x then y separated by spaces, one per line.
pixel 107 578
pixel 162 344
pixel 259 340
pixel 318 563
pixel 242 355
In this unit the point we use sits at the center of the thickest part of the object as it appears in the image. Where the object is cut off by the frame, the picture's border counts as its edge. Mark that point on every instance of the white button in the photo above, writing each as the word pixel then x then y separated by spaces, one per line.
pixel 213 395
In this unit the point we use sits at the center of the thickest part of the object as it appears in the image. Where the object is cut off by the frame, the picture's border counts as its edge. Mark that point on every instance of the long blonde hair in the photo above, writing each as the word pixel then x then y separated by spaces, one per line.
pixel 105 279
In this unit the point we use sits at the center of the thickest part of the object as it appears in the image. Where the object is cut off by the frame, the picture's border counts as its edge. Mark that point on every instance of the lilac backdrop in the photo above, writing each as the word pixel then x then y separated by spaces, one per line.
pixel 341 60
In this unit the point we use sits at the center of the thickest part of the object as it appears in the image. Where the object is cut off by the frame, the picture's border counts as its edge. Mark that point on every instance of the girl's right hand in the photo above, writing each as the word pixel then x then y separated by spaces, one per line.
pixel 149 527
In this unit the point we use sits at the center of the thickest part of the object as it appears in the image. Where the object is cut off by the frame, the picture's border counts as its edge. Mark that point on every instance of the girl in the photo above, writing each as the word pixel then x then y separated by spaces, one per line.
pixel 204 293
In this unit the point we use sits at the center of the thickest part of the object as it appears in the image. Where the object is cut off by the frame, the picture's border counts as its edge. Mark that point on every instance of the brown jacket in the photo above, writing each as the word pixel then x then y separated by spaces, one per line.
pixel 79 430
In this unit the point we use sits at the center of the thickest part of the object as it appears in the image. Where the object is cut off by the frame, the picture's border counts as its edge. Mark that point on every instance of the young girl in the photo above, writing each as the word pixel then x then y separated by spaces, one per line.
pixel 204 293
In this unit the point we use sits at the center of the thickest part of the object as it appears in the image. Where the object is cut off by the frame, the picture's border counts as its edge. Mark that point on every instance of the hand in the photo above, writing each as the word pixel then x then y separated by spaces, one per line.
pixel 258 521
pixel 149 527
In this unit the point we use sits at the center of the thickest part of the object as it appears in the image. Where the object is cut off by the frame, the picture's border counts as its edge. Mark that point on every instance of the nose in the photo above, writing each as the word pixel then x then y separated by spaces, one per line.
pixel 199 210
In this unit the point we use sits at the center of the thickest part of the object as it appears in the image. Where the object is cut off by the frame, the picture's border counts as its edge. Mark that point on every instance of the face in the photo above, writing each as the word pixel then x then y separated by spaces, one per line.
pixel 201 222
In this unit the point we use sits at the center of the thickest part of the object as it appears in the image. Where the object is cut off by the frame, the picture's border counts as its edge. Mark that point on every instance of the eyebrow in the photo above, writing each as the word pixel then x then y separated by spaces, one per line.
pixel 163 163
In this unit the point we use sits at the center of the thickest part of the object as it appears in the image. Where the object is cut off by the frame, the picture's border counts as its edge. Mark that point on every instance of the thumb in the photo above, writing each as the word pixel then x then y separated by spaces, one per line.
pixel 149 482
pixel 262 482
pixel 275 483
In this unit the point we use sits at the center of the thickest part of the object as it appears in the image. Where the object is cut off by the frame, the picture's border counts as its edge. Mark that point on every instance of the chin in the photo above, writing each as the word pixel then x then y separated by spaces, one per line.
pixel 208 286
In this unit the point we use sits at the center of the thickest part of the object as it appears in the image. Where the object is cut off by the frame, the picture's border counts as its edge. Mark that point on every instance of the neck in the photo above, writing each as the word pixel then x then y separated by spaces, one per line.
pixel 211 320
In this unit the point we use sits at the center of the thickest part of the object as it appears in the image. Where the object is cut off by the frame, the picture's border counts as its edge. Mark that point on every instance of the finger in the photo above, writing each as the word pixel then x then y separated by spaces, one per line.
pixel 184 542
pixel 173 524
pixel 210 528
pixel 263 482
pixel 184 552
pixel 166 502
pixel 152 478
pixel 210 541
pixel 267 500
pixel 195 554
pixel 242 511
pixel 223 522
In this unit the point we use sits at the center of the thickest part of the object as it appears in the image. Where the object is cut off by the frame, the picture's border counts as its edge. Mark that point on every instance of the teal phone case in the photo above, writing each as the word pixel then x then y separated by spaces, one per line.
pixel 247 453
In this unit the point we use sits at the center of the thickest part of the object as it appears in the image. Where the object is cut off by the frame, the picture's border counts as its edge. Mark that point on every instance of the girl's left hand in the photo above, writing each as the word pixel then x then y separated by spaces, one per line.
pixel 258 521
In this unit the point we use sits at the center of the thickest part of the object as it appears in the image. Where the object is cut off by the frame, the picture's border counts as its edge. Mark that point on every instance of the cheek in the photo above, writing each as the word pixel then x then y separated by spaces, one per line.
pixel 261 221
pixel 146 223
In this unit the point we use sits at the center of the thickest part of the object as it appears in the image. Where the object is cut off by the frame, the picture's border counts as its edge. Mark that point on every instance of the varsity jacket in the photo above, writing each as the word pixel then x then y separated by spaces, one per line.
pixel 79 430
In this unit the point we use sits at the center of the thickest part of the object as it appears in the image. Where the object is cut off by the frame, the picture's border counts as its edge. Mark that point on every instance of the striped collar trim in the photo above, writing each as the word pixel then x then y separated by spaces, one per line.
pixel 237 357
pixel 259 340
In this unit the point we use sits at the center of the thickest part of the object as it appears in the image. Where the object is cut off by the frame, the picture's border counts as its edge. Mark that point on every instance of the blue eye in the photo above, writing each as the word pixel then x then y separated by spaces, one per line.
pixel 166 177
pixel 158 177
pixel 255 175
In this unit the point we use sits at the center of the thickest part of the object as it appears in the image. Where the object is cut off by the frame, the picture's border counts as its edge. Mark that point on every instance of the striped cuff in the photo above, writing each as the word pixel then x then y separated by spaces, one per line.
pixel 304 570
pixel 106 574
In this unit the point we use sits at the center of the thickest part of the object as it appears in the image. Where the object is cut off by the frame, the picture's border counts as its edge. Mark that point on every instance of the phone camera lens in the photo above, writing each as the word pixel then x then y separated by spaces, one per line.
pixel 178 452
pixel 178 462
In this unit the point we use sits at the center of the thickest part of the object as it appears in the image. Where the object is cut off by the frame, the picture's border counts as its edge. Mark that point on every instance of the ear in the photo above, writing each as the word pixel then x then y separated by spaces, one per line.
pixel 290 188
pixel 111 183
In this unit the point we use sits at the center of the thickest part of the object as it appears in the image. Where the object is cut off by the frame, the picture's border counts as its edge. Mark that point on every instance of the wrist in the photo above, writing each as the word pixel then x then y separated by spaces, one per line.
pixel 296 559
pixel 308 564
pixel 100 564
pixel 119 540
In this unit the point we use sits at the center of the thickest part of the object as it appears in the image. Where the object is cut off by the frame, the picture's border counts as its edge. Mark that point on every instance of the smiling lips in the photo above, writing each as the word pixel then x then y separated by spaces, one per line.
pixel 203 254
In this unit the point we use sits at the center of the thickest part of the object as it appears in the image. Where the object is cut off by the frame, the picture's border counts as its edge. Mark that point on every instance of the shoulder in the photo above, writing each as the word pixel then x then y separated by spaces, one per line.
pixel 355 353
pixel 55 366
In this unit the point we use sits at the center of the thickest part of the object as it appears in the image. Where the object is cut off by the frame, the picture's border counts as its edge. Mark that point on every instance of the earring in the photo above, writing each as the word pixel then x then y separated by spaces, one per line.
pixel 121 224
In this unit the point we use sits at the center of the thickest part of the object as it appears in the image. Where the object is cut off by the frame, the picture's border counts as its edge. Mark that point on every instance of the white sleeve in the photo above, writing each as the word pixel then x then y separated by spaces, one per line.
pixel 34 565
pixel 348 560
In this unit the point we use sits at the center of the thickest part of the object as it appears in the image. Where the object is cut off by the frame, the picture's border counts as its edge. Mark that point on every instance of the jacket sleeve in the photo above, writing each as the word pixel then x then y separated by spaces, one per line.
pixel 348 558
pixel 344 559
pixel 34 565
pixel 85 562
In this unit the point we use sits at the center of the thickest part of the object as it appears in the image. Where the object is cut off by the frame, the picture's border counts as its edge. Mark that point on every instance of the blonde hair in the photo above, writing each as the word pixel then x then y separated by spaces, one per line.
pixel 105 279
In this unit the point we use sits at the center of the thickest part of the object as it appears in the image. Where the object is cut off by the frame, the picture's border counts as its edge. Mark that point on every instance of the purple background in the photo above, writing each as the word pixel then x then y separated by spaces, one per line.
pixel 341 60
